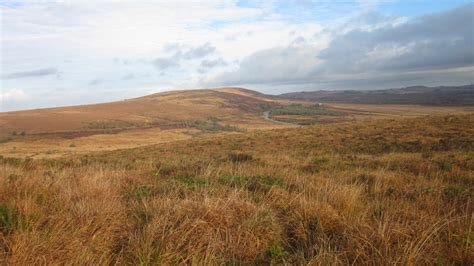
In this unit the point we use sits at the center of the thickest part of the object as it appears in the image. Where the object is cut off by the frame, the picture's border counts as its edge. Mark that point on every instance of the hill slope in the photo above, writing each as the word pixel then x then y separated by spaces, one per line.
pixel 161 109
pixel 175 116
pixel 461 95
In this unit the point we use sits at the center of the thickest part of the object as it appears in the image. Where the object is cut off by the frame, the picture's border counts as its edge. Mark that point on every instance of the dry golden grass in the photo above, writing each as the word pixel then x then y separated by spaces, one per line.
pixel 400 110
pixel 54 146
pixel 383 191
pixel 167 117
pixel 153 110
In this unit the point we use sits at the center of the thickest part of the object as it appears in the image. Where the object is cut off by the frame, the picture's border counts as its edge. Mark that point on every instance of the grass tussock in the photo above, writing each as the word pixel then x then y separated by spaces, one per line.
pixel 376 192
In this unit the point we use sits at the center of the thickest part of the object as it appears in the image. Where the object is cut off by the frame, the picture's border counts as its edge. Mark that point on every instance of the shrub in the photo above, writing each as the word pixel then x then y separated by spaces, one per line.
pixel 444 165
pixel 315 165
pixel 5 139
pixel 240 157
pixel 378 212
pixel 210 125
pixel 189 181
pixel 235 181
pixel 12 178
pixel 276 251
pixel 454 191
pixel 255 183
pixel 469 239
pixel 299 109
pixel 263 183
pixel 8 218
pixel 142 192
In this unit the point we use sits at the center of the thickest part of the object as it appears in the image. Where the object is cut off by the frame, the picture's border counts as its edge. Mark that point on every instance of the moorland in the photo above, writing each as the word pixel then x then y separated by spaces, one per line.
pixel 232 176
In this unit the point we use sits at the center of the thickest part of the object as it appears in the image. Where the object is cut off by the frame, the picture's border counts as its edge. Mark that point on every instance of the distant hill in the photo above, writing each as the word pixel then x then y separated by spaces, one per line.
pixel 442 95
pixel 157 110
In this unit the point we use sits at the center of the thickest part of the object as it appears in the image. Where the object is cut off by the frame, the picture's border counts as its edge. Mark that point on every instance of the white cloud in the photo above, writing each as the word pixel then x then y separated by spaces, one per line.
pixel 114 49
pixel 393 52
pixel 14 95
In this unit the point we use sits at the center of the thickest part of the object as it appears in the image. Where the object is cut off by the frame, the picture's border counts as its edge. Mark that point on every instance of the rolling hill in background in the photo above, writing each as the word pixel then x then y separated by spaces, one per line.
pixel 165 110
pixel 419 95
pixel 177 116
pixel 157 118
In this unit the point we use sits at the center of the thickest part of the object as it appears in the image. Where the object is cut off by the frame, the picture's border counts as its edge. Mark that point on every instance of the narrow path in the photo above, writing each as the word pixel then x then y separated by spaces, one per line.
pixel 266 116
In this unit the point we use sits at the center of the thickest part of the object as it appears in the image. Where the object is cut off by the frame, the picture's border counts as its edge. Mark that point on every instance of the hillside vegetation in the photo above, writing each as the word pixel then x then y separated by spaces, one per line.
pixel 441 96
pixel 161 110
pixel 308 114
pixel 382 191
pixel 175 116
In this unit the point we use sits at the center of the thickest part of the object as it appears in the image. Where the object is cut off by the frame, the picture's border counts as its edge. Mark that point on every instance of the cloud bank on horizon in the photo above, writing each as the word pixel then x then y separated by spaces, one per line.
pixel 56 53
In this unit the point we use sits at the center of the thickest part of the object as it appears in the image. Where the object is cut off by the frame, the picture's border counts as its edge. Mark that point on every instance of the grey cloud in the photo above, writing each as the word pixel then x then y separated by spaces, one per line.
pixel 441 40
pixel 34 73
pixel 299 40
pixel 181 54
pixel 95 82
pixel 200 51
pixel 125 62
pixel 163 63
pixel 276 65
pixel 213 63
pixel 128 76
pixel 422 48
pixel 172 47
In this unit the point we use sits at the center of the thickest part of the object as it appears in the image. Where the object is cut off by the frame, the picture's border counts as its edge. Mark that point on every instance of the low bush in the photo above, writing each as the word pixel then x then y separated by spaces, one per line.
pixel 8 218
pixel 240 157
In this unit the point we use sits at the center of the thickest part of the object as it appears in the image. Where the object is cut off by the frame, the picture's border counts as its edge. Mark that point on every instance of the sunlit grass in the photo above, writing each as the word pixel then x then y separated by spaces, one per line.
pixel 375 192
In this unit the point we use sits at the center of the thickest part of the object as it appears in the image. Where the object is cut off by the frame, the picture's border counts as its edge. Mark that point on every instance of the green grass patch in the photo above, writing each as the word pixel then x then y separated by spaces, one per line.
pixel 253 183
pixel 211 124
pixel 456 191
pixel 239 157
pixel 142 192
pixel 315 165
pixel 299 109
pixel 8 218
pixel 445 165
pixel 276 251
pixel 189 181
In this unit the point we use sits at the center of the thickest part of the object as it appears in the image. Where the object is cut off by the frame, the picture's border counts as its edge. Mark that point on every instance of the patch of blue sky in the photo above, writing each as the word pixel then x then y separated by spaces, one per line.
pixel 319 11
pixel 216 24
pixel 419 7
pixel 10 4
pixel 249 3
pixel 322 10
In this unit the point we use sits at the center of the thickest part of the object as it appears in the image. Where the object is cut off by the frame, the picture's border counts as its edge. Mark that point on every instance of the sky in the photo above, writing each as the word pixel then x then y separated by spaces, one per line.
pixel 58 53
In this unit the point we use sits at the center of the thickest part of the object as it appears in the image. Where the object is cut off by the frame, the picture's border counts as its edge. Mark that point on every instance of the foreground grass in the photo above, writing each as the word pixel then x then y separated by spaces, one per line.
pixel 374 192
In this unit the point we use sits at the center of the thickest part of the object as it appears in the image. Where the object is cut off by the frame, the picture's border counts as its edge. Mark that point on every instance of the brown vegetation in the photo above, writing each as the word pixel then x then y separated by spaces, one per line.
pixel 174 116
pixel 156 110
pixel 385 191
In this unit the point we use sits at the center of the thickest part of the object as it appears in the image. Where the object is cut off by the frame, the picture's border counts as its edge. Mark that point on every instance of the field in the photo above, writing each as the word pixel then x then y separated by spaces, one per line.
pixel 175 116
pixel 385 185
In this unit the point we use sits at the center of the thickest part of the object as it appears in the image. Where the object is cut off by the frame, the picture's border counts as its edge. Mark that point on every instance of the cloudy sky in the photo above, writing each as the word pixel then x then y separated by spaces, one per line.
pixel 56 53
